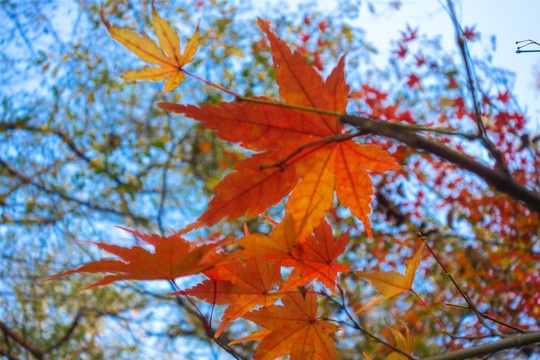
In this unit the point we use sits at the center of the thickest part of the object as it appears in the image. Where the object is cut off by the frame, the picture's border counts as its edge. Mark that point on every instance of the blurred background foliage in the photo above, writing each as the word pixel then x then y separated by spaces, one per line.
pixel 82 150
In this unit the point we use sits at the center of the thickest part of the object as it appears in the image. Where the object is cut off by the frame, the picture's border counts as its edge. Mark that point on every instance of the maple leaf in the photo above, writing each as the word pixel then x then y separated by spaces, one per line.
pixel 470 34
pixel 311 259
pixel 403 341
pixel 173 257
pixel 503 97
pixel 169 57
pixel 402 51
pixel 307 153
pixel 391 283
pixel 409 35
pixel 315 259
pixel 248 284
pixel 281 244
pixel 413 80
pixel 295 329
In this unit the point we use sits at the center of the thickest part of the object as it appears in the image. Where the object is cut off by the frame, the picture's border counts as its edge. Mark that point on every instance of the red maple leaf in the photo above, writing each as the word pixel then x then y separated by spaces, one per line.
pixel 504 97
pixel 470 34
pixel 307 153
pixel 315 259
pixel 401 51
pixel 413 80
pixel 420 60
pixel 409 35
pixel 173 257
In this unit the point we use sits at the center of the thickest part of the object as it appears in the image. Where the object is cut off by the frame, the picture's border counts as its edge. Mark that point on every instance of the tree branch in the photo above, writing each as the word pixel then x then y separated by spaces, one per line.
pixel 514 341
pixel 68 333
pixel 28 180
pixel 482 134
pixel 21 341
pixel 496 178
pixel 66 139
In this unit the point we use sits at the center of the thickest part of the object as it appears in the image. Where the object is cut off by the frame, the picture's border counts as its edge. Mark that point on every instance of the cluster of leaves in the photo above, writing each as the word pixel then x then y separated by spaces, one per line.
pixel 306 152
pixel 298 145
pixel 301 146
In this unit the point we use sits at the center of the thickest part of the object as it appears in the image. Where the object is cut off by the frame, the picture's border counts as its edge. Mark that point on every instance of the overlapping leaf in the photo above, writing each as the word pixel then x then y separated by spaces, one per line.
pixel 294 329
pixel 311 259
pixel 169 57
pixel 247 285
pixel 281 244
pixel 303 152
pixel 173 257
pixel 391 283
pixel 315 259
pixel 404 341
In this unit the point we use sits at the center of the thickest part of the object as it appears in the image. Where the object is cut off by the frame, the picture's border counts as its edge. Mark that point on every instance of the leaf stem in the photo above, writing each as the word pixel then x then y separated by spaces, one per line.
pixel 428 310
pixel 211 83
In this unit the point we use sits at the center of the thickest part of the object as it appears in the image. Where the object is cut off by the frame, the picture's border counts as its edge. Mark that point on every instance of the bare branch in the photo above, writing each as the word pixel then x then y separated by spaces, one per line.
pixel 482 134
pixel 68 333
pixel 28 180
pixel 21 340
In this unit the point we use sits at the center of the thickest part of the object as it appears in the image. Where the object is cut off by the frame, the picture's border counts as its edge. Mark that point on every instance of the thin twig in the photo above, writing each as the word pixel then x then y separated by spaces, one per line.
pixel 482 134
pixel 68 333
pixel 528 42
pixel 428 310
pixel 70 144
pixel 28 180
pixel 358 327
pixel 208 327
pixel 210 83
pixel 471 306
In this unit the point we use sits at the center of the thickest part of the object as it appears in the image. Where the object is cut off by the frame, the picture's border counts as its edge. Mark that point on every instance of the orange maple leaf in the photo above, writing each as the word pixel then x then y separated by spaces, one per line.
pixel 169 57
pixel 173 257
pixel 247 285
pixel 315 259
pixel 281 244
pixel 391 283
pixel 295 329
pixel 307 153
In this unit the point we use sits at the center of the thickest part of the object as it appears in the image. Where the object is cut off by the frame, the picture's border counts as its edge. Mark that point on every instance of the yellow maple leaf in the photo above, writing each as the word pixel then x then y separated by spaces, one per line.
pixel 404 341
pixel 167 55
pixel 391 283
